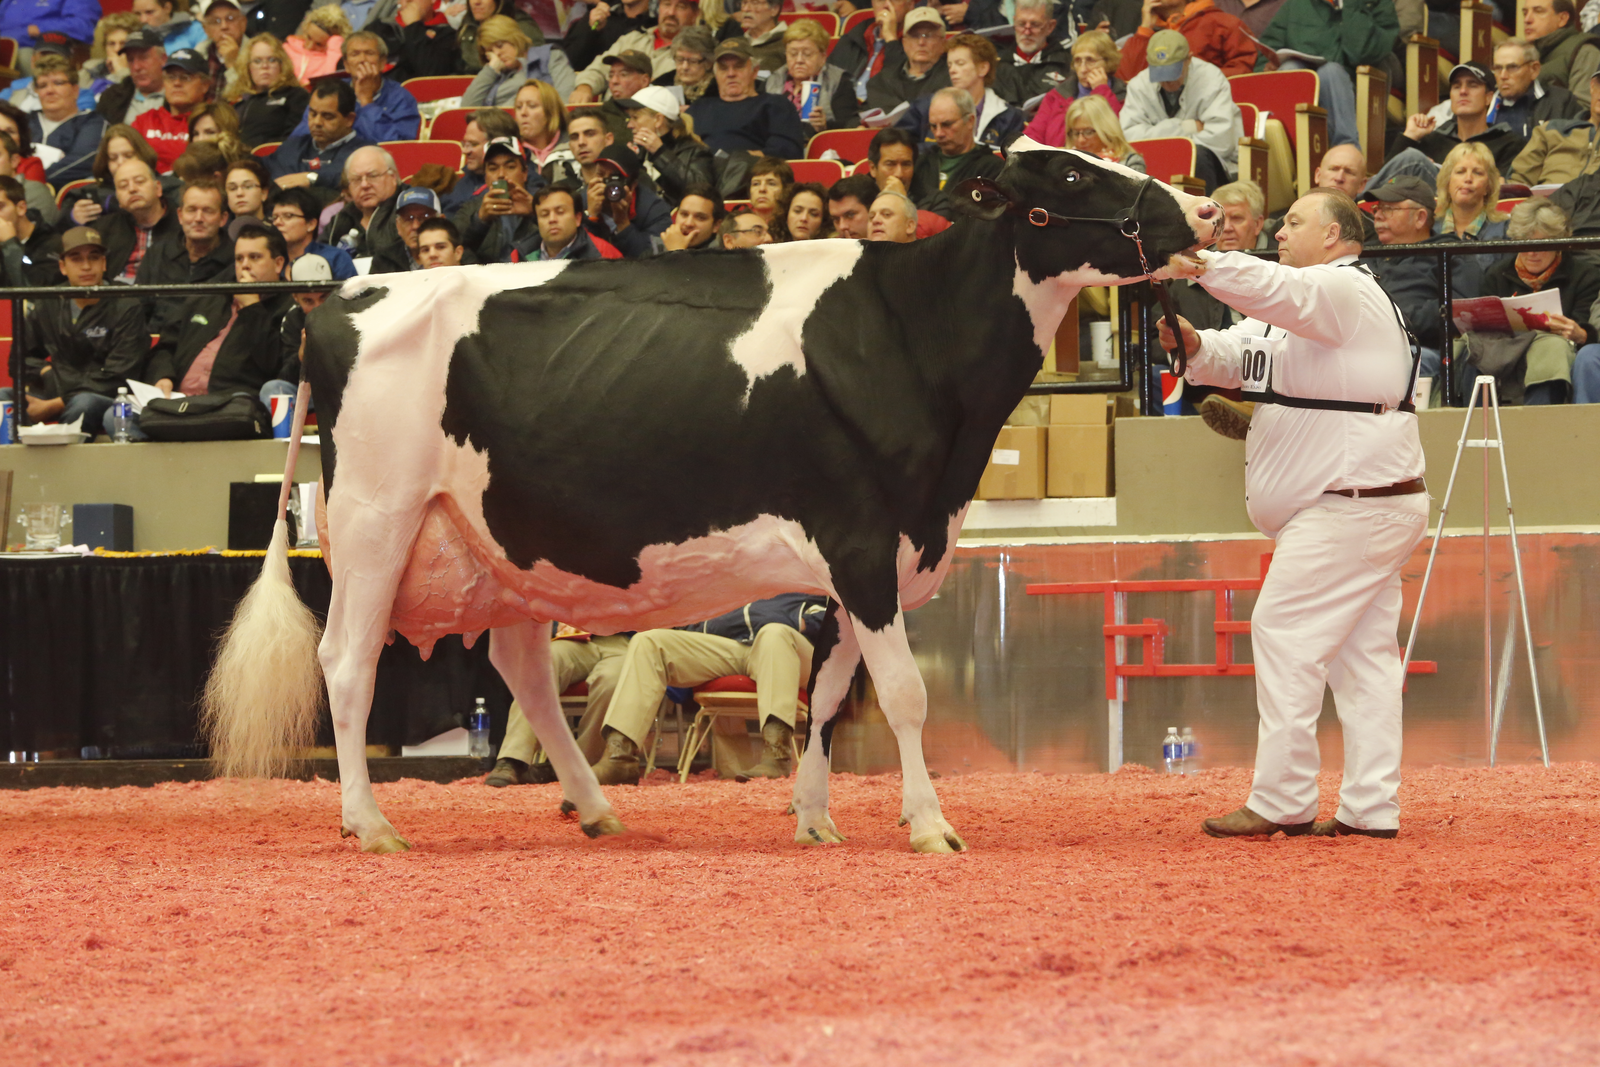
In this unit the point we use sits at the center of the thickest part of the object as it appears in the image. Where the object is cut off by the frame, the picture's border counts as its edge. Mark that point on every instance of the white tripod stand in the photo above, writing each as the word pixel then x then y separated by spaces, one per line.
pixel 1494 703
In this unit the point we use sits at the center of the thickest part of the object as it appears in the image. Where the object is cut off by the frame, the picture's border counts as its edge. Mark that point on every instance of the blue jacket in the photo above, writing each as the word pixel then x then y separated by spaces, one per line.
pixel 73 20
pixel 392 116
pixel 343 266
pixel 182 31
pixel 802 611
pixel 300 155
pixel 79 140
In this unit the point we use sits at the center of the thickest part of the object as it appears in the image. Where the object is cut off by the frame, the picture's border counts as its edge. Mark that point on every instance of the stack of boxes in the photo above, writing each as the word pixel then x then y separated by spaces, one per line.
pixel 1069 456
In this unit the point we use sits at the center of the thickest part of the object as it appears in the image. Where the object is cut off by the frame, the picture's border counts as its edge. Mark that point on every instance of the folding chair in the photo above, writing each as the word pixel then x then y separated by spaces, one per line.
pixel 731 697
pixel 851 144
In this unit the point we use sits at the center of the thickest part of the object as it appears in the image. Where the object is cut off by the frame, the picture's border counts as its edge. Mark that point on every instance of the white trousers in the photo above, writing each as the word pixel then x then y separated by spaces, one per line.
pixel 1328 616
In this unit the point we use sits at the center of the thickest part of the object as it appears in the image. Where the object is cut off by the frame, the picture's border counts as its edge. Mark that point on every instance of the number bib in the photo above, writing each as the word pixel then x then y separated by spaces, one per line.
pixel 1256 362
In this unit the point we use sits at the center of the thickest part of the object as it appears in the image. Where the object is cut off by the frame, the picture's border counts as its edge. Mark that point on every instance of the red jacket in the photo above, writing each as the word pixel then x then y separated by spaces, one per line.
pixel 167 133
pixel 1219 39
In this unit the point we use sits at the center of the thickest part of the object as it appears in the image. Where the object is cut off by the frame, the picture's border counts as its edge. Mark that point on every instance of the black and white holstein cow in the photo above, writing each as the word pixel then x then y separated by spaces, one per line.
pixel 635 444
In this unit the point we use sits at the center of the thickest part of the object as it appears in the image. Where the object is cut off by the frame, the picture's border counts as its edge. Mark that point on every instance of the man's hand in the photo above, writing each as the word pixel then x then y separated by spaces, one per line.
pixel 290 181
pixel 226 49
pixel 165 385
pixel 495 203
pixel 1148 17
pixel 41 410
pixel 581 95
pixel 599 14
pixel 844 9
pixel 1191 340
pixel 1562 326
pixel 366 78
pixel 674 239
pixel 86 211
pixel 415 11
pixel 893 185
pixel 621 212
pixel 521 200
pixel 954 14
pixel 888 25
pixel 1419 126
pixel 595 194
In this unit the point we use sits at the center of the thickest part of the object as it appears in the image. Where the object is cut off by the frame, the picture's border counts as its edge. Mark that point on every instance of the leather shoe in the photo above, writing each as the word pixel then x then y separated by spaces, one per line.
pixel 1246 823
pixel 1335 828
pixel 507 771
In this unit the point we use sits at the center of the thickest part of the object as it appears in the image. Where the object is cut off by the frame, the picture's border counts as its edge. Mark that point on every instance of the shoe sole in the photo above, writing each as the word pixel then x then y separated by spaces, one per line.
pixel 1292 830
pixel 1225 420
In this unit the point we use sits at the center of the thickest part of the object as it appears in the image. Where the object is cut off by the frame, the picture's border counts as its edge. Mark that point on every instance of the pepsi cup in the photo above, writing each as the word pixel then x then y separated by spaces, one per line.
pixel 8 435
pixel 282 414
pixel 1171 394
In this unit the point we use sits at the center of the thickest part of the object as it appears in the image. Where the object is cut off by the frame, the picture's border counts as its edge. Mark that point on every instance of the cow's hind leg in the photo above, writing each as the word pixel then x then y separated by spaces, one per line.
pixel 905 704
pixel 521 654
pixel 833 665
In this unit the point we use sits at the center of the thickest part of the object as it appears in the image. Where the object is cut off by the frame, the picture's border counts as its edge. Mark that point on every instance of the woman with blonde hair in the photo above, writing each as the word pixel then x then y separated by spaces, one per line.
pixel 1089 126
pixel 314 48
pixel 541 124
pixel 1094 64
pixel 269 99
pixel 467 17
pixel 510 61
pixel 1469 195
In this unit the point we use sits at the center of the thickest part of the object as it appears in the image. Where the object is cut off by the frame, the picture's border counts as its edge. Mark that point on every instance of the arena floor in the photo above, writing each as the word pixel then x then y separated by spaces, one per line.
pixel 1092 923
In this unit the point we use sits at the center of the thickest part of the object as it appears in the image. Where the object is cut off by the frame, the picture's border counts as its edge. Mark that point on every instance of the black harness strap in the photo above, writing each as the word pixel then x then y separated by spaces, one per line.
pixel 1271 396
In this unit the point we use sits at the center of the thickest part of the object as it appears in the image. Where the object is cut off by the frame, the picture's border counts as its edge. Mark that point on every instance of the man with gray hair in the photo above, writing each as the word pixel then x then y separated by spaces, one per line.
pixel 1522 101
pixel 954 156
pixel 1333 474
pixel 365 225
pixel 892 217
pixel 1036 61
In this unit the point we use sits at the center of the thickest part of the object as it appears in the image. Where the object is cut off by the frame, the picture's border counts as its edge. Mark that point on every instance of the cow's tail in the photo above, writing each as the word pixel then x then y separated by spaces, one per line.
pixel 265 690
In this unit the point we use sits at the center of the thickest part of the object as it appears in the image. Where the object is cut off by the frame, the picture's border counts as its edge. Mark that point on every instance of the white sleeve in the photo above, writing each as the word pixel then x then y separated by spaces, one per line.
pixel 1218 361
pixel 1322 304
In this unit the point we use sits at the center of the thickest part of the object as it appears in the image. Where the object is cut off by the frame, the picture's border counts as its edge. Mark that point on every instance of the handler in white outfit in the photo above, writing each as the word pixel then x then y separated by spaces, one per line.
pixel 1334 474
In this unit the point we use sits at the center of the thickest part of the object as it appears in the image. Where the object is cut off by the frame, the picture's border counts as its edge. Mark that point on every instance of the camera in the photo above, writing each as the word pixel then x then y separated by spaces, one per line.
pixel 616 188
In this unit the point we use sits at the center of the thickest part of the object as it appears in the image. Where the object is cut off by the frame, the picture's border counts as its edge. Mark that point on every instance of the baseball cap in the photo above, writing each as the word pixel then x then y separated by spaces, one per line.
pixel 502 144
pixel 733 48
pixel 918 15
pixel 311 268
pixel 207 5
pixel 1168 49
pixel 625 160
pixel 636 61
pixel 143 37
pixel 81 237
pixel 187 59
pixel 1405 187
pixel 657 98
pixel 416 196
pixel 1472 70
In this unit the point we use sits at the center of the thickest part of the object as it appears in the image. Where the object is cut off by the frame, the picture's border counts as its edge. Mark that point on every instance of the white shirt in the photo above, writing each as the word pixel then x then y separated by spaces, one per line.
pixel 1338 339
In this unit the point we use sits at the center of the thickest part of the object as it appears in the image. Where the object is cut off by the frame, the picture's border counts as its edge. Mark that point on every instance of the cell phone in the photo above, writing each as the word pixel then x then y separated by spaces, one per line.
pixel 500 186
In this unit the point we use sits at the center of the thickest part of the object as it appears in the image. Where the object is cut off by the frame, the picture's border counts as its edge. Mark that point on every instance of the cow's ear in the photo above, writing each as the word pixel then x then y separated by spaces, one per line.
pixel 981 198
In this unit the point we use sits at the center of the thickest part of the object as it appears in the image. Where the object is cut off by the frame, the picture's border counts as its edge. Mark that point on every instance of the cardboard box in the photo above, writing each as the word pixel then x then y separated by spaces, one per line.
pixel 1080 409
pixel 1080 461
pixel 1016 465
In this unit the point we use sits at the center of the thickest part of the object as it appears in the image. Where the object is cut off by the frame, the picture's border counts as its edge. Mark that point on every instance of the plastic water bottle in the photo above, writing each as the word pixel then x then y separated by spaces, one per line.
pixel 478 731
pixel 1172 752
pixel 121 417
pixel 1191 753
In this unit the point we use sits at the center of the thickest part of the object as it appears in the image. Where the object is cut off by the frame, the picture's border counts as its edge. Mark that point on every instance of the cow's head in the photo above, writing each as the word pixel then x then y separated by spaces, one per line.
pixel 1056 185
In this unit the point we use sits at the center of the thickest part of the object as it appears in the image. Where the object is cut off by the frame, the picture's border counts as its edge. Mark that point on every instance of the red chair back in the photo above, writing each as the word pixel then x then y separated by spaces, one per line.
pixel 1165 157
pixel 1276 92
pixel 1504 205
pixel 452 125
pixel 851 144
pixel 437 88
pixel 5 362
pixel 8 49
pixel 822 171
pixel 826 19
pixel 855 19
pixel 410 155
pixel 60 199
pixel 264 150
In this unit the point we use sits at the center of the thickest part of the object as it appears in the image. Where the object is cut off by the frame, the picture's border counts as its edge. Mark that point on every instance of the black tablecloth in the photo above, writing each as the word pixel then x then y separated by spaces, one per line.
pixel 113 653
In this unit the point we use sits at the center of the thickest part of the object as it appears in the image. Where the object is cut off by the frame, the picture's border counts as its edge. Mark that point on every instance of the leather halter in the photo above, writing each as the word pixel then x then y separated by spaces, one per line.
pixel 983 192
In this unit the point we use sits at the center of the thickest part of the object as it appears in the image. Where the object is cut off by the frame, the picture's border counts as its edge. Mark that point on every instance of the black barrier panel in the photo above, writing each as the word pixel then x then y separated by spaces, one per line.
pixel 112 653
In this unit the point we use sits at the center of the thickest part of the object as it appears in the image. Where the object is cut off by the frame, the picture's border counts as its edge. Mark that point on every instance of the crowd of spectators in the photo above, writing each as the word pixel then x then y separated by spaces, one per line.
pixel 129 149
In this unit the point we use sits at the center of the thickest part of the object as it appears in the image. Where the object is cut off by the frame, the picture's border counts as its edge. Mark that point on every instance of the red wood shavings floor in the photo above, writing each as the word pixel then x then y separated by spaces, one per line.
pixel 1092 923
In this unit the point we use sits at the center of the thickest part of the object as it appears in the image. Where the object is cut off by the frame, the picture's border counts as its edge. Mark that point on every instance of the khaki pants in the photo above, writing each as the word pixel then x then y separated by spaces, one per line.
pixel 597 661
pixel 779 661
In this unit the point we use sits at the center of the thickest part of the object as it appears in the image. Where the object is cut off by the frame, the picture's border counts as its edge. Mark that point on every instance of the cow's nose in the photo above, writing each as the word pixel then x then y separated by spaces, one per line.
pixel 1209 210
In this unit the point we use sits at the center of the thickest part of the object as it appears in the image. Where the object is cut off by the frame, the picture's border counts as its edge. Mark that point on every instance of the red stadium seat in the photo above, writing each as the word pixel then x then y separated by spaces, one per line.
pixel 410 155
pixel 1166 157
pixel 5 363
pixel 1508 204
pixel 264 150
pixel 60 199
pixel 1276 92
pixel 823 171
pixel 864 167
pixel 8 50
pixel 452 125
pixel 826 19
pixel 111 7
pixel 439 88
pixel 855 19
pixel 851 144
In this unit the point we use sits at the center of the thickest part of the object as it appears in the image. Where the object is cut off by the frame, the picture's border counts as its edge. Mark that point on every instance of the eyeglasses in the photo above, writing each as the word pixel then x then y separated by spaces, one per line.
pixel 1030 26
pixel 242 187
pixel 759 227
pixel 1390 209
pixel 224 20
pixel 368 179
pixel 1507 68
pixel 279 217
pixel 1082 133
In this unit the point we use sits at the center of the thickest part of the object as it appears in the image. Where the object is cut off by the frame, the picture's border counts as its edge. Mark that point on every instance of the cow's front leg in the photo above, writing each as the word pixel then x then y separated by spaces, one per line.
pixel 833 665
pixel 521 654
pixel 905 704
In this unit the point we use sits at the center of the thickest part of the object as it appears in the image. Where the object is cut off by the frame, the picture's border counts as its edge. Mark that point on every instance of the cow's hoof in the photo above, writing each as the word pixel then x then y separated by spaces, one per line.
pixel 382 846
pixel 605 824
pixel 943 840
pixel 567 807
pixel 819 832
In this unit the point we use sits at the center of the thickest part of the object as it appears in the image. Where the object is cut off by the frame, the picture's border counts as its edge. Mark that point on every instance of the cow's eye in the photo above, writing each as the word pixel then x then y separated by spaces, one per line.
pixel 1072 176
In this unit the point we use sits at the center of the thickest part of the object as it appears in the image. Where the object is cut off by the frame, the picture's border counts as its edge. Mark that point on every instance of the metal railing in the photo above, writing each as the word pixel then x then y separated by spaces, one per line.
pixel 1137 359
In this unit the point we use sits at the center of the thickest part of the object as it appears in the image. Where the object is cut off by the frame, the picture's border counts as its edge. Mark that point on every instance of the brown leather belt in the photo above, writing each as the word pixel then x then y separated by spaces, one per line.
pixel 1415 485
